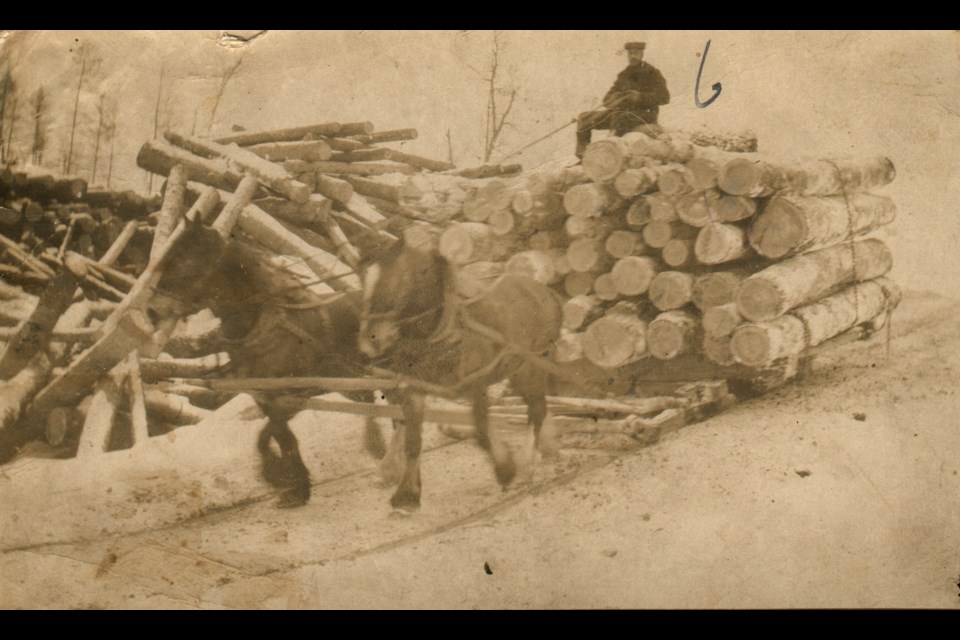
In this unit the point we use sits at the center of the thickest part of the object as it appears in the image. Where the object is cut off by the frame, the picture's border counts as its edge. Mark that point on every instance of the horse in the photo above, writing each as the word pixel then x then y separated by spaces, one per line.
pixel 271 326
pixel 414 324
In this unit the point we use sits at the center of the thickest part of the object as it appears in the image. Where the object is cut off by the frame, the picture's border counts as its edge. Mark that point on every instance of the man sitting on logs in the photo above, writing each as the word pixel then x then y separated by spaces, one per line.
pixel 633 101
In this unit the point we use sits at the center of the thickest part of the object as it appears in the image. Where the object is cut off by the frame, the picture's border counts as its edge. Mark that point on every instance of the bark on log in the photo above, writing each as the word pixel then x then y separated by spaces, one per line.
pixel 172 208
pixel 292 134
pixel 33 335
pixel 670 334
pixel 116 249
pixel 157 156
pixel 348 168
pixel 760 344
pixel 310 151
pixel 717 288
pixel 334 188
pixel 394 135
pixel 615 340
pixel 246 162
pixel 152 369
pixel 419 161
pixel 488 171
pixel 633 275
pixel 271 233
pixel 360 155
pixel 129 331
pixel 721 320
pixel 311 213
pixel 84 335
pixel 234 206
pixel 719 243
pixel 807 277
pixel 17 392
pixel 337 144
pixel 367 187
pixel 670 290
pixel 746 177
pixel 174 409
pixel 139 426
pixel 102 413
pixel 790 225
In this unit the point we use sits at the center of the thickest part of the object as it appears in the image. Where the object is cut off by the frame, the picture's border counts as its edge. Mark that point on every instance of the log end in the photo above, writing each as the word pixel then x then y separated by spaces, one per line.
pixel 778 230
pixel 751 345
pixel 759 299
pixel 666 339
pixel 633 275
pixel 603 160
pixel 739 177
pixel 610 344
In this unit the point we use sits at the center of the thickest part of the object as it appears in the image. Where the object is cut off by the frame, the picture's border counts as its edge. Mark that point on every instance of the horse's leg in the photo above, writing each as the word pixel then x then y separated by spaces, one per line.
pixel 407 496
pixel 487 438
pixel 372 436
pixel 287 471
pixel 394 458
pixel 531 384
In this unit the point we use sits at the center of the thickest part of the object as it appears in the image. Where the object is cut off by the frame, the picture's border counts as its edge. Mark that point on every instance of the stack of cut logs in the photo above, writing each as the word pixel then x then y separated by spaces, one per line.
pixel 674 246
pixel 664 248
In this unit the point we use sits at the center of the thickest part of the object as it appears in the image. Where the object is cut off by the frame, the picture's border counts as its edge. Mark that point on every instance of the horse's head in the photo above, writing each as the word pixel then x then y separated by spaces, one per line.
pixel 404 291
pixel 188 278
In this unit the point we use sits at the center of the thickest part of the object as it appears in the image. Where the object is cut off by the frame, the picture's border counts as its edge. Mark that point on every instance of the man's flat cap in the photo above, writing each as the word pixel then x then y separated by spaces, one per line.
pixel 635 45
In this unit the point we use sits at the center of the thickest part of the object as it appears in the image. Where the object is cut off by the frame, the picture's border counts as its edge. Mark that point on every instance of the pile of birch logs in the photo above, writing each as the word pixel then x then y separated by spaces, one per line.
pixel 664 248
pixel 83 361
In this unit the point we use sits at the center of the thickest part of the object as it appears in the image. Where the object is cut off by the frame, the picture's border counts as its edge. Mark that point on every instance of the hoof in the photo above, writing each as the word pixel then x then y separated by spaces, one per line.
pixel 505 472
pixel 293 498
pixel 405 502
pixel 401 514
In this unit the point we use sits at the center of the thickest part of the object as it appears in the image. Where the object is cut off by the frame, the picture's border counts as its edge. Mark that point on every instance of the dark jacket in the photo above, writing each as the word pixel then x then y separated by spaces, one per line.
pixel 645 79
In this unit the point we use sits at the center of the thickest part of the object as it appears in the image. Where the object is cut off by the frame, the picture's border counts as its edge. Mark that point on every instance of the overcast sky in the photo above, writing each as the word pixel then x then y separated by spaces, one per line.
pixel 803 93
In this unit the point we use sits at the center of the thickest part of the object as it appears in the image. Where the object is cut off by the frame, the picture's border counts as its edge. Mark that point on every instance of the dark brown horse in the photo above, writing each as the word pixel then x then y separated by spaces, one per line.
pixel 414 324
pixel 272 326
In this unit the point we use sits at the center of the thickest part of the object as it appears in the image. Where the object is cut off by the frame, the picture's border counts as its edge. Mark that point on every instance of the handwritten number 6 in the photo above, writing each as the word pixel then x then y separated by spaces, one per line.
pixel 717 87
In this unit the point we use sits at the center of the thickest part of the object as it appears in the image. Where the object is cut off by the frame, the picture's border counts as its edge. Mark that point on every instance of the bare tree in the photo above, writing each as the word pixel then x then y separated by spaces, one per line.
pixel 496 115
pixel 156 119
pixel 8 87
pixel 227 75
pixel 110 132
pixel 106 115
pixel 89 60
pixel 10 127
pixel 39 127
